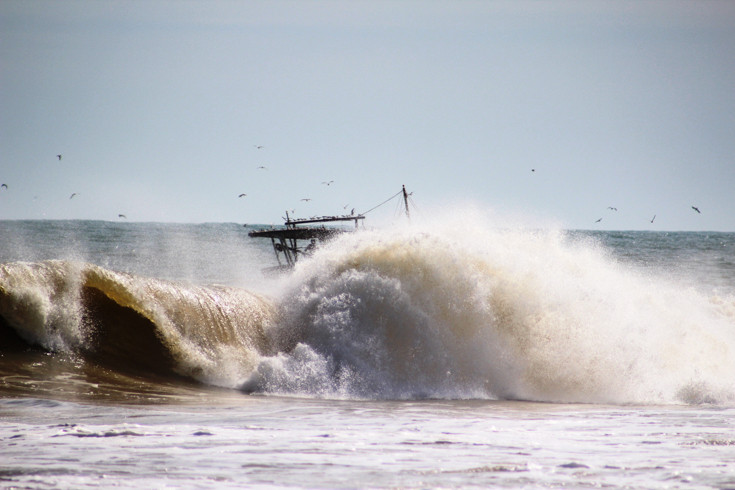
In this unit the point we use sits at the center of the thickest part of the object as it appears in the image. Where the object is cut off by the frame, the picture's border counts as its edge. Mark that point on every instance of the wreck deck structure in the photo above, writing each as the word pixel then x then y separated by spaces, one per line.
pixel 288 241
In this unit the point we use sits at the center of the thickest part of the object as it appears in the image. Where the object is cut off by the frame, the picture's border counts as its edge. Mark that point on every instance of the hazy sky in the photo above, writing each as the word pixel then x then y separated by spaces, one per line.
pixel 157 108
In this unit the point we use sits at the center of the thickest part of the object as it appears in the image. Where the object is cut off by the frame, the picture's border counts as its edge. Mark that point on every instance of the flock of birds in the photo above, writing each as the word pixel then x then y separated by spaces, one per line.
pixel 305 199
pixel 4 187
pixel 613 208
pixel 652 219
pixel 59 156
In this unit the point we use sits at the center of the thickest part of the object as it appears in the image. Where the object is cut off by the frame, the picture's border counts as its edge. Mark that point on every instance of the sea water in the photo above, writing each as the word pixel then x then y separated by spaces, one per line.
pixel 452 354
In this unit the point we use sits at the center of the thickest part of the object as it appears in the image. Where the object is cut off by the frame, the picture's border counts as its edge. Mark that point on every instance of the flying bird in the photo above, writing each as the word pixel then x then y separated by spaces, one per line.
pixel 533 170
pixel 242 195
pixel 598 220
pixel 259 147
pixel 614 209
pixel 328 183
pixel 122 216
pixel 262 168
pixel 72 196
pixel 58 156
pixel 306 199
pixel 654 217
pixel 696 209
pixel 4 185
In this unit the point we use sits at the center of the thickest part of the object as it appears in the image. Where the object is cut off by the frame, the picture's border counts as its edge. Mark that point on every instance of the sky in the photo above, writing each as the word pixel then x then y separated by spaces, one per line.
pixel 549 111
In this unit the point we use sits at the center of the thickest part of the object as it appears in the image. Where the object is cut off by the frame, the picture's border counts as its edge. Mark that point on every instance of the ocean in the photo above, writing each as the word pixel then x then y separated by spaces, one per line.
pixel 456 354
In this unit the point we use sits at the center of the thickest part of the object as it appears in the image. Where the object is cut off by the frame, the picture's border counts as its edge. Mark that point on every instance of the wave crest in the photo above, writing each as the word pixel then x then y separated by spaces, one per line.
pixel 209 333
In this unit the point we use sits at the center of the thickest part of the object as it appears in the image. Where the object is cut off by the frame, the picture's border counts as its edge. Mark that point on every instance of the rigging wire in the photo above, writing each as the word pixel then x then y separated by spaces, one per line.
pixel 413 204
pixel 399 209
pixel 387 200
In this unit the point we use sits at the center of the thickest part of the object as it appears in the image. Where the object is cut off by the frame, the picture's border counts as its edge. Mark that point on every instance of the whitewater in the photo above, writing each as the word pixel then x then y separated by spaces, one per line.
pixel 456 353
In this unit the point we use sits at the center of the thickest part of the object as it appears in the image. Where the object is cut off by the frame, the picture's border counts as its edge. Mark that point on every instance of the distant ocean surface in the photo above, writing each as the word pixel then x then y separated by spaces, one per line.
pixel 456 355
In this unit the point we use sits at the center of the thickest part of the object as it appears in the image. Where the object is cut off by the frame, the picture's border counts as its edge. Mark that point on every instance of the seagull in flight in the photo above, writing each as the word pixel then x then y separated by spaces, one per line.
pixel 612 208
pixel 242 195
pixel 306 199
pixel 696 209
pixel 598 220
pixel 58 156
pixel 262 168
pixel 654 217
pixel 4 185
pixel 72 196
pixel 328 183
pixel 122 216
pixel 259 147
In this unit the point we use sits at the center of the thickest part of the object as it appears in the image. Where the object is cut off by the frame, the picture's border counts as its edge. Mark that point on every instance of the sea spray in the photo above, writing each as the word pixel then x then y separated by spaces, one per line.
pixel 409 323
pixel 488 313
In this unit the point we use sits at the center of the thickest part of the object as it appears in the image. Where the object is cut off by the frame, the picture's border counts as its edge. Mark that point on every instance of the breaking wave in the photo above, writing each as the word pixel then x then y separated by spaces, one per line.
pixel 420 313
pixel 210 334
pixel 495 314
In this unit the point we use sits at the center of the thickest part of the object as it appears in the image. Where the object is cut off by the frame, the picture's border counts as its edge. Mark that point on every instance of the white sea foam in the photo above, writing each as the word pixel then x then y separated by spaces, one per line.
pixel 461 310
